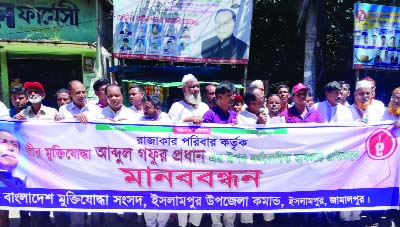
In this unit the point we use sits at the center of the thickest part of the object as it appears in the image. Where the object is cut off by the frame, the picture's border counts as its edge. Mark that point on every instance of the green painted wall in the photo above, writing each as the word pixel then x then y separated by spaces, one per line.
pixel 56 20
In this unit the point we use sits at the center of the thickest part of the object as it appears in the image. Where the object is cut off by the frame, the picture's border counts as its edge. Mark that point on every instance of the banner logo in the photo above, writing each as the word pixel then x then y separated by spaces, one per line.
pixel 381 144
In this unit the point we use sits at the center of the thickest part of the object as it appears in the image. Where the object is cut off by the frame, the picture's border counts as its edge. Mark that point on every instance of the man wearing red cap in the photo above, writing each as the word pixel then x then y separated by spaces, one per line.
pixel 36 94
pixel 237 104
pixel 300 112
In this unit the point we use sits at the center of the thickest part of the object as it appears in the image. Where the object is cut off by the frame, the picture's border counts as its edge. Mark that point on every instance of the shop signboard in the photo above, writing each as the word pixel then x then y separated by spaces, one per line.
pixel 56 20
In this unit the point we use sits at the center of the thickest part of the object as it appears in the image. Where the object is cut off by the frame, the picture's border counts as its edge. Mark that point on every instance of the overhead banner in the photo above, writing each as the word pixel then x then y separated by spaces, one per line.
pixel 183 31
pixel 376 37
pixel 58 20
pixel 176 168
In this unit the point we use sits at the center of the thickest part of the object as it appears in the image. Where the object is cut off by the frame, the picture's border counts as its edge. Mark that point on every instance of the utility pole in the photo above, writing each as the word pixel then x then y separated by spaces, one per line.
pixel 310 44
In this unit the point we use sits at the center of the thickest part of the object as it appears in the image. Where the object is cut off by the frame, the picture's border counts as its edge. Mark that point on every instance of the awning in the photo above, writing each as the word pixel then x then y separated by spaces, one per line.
pixel 172 84
pixel 207 70
pixel 47 49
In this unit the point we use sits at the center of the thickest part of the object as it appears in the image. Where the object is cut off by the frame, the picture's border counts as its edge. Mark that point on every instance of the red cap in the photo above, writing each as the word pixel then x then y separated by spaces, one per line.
pixel 237 96
pixel 299 87
pixel 33 84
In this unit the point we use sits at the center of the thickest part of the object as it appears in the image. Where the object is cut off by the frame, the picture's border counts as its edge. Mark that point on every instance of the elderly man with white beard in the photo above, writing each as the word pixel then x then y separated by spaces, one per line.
pixel 392 112
pixel 362 110
pixel 191 108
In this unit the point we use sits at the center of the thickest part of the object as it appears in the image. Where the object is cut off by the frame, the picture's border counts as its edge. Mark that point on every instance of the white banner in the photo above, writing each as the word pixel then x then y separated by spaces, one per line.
pixel 119 167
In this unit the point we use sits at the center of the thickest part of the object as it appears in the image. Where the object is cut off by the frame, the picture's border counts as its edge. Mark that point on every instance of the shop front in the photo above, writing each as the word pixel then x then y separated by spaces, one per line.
pixel 51 65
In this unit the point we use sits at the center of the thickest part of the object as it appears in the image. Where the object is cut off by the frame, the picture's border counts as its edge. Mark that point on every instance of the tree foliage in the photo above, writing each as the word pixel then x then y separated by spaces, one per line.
pixel 276 48
pixel 277 42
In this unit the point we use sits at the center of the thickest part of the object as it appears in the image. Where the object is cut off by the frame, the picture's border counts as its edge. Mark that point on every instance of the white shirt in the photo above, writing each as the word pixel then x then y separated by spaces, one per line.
pixel 346 104
pixel 373 113
pixel 70 109
pixel 135 110
pixel 329 113
pixel 378 105
pixel 3 110
pixel 44 112
pixel 181 110
pixel 163 117
pixel 246 118
pixel 390 116
pixel 123 114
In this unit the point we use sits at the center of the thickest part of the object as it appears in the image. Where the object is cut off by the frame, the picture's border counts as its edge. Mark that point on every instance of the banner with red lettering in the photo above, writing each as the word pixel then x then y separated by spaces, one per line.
pixel 49 165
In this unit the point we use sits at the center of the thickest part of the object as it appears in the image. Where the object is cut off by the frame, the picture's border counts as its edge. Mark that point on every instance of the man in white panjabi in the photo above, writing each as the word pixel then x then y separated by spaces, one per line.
pixel 190 108
pixel 331 110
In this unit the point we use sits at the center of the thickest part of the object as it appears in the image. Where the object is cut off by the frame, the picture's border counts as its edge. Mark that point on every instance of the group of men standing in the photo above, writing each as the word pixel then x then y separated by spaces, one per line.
pixel 282 107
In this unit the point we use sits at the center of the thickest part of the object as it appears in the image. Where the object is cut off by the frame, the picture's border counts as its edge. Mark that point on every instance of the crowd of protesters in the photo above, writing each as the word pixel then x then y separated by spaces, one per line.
pixel 222 105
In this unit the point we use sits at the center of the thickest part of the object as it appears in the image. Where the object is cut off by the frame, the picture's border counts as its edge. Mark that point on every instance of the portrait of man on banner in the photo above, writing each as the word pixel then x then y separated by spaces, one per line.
pixel 125 28
pixel 224 44
pixel 154 46
pixel 125 45
pixel 155 30
pixel 141 30
pixel 184 47
pixel 10 151
pixel 169 46
pixel 185 32
pixel 140 46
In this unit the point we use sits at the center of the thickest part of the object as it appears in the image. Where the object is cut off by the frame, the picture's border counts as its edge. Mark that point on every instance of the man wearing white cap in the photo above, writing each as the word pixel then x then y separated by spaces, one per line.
pixel 362 110
pixel 191 108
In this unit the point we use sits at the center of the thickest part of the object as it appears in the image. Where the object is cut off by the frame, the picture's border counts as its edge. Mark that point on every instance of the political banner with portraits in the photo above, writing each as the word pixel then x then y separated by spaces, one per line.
pixel 194 31
pixel 376 37
pixel 122 167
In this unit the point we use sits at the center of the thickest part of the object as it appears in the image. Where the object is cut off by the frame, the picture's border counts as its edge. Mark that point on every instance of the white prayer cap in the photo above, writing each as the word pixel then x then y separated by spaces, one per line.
pixel 187 77
pixel 363 84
